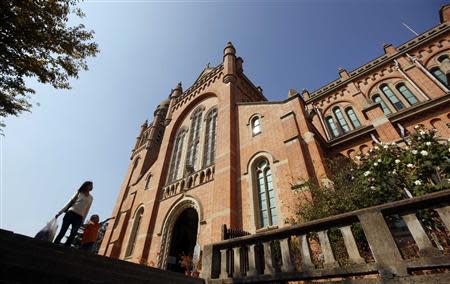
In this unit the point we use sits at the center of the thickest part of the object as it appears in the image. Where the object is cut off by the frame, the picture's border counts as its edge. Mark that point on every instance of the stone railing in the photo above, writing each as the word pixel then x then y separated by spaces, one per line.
pixel 193 180
pixel 373 241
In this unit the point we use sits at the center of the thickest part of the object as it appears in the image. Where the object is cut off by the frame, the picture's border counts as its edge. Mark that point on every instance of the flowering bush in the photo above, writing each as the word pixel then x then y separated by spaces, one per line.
pixel 392 172
pixel 388 172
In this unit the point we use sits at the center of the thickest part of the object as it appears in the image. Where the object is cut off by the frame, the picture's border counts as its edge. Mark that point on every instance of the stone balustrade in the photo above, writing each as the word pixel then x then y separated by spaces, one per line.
pixel 200 177
pixel 305 252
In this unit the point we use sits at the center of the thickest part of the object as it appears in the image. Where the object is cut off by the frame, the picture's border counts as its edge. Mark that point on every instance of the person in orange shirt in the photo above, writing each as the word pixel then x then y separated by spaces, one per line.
pixel 90 233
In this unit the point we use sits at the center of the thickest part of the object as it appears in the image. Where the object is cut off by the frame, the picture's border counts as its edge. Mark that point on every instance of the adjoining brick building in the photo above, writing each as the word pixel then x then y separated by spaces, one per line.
pixel 220 153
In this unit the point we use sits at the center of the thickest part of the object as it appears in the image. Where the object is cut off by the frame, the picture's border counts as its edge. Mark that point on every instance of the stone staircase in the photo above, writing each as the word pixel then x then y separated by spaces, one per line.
pixel 26 260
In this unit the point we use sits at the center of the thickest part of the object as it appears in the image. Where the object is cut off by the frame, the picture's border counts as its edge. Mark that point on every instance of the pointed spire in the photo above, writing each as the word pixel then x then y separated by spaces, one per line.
pixel 175 93
pixel 229 49
pixel 229 63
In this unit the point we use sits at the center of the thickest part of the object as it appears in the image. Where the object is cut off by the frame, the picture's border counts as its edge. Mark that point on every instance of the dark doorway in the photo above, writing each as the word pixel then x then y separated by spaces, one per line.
pixel 184 238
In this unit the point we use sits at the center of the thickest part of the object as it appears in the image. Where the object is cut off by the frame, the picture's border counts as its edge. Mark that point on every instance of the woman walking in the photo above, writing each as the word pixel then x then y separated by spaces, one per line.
pixel 76 210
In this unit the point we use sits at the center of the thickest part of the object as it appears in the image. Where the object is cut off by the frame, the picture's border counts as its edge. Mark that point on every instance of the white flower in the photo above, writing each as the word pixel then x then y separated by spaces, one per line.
pixel 366 173
pixel 416 127
pixel 353 177
pixel 385 146
pixel 424 153
pixel 379 160
pixel 375 164
pixel 414 151
pixel 372 187
pixel 358 157
pixel 393 143
pixel 397 161
pixel 376 147
pixel 410 165
pixel 394 172
pixel 421 132
pixel 428 143
pixel 418 182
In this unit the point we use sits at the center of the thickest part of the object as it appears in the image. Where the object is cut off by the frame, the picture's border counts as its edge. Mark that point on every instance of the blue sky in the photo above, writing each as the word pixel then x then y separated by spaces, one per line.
pixel 146 48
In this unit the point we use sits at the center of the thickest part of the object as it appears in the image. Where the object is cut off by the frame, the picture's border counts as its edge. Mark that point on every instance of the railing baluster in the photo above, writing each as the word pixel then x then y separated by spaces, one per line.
pixel 426 248
pixel 288 266
pixel 268 266
pixel 382 244
pixel 237 262
pixel 223 264
pixel 444 214
pixel 251 261
pixel 327 251
pixel 306 256
pixel 350 244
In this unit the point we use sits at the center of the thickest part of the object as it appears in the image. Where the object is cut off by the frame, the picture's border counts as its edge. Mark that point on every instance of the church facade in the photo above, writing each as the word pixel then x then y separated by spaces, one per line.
pixel 219 153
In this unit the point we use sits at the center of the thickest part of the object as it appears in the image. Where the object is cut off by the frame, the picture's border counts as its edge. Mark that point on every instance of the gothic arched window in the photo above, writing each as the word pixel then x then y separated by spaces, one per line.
pixel 440 75
pixel 266 195
pixel 353 118
pixel 332 126
pixel 147 182
pixel 398 105
pixel 194 139
pixel 378 99
pixel 176 156
pixel 134 232
pixel 256 125
pixel 340 118
pixel 406 93
pixel 210 138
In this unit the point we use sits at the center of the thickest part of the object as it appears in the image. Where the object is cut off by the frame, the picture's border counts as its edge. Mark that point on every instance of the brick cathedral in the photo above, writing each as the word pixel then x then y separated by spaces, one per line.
pixel 220 153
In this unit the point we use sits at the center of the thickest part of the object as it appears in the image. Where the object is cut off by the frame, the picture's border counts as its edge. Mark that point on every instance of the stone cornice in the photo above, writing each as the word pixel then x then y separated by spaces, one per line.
pixel 380 61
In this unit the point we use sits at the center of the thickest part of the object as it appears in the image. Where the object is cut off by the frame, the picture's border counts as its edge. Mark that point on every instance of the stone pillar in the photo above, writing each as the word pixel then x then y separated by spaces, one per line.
pixel 350 245
pixel 426 248
pixel 382 244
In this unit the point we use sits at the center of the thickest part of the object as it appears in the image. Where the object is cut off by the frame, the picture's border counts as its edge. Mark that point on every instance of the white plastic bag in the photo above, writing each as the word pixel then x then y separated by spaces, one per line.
pixel 48 232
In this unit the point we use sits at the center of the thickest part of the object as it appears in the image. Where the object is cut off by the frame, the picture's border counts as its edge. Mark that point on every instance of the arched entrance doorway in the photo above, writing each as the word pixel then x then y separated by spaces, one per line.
pixel 184 238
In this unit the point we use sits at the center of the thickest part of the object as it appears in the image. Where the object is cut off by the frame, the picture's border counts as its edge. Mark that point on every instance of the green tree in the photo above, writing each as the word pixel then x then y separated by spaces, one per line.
pixel 36 41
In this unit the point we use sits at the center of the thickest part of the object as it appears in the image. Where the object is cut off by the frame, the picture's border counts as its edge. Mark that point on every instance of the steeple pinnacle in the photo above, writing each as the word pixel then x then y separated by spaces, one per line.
pixel 229 49
pixel 229 63
pixel 175 93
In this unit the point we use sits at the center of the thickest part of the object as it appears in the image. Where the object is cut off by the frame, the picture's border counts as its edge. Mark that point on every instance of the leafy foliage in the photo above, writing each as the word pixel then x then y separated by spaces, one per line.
pixel 388 172
pixel 36 41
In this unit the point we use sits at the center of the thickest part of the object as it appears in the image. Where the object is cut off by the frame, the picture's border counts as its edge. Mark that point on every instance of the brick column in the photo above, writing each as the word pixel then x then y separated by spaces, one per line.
pixel 381 123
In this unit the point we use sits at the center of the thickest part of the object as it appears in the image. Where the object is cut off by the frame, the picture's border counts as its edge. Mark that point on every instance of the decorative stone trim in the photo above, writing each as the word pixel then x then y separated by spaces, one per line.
pixel 198 178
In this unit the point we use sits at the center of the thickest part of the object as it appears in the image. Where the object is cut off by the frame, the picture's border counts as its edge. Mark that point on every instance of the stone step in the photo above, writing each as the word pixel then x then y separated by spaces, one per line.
pixel 23 243
pixel 24 258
